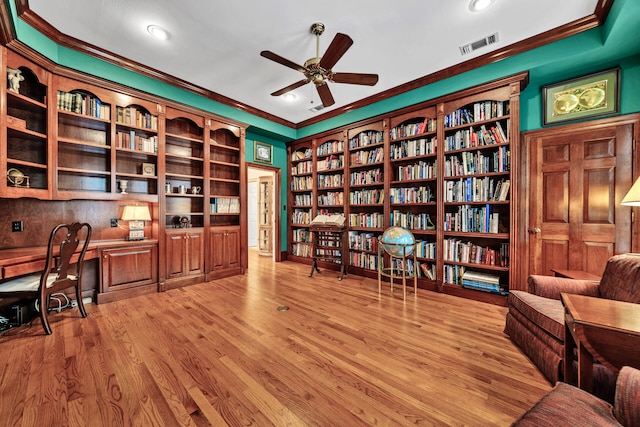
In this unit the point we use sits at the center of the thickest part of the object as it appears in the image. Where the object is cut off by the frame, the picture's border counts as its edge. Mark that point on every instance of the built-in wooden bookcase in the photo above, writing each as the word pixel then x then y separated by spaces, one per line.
pixel 25 157
pixel 301 198
pixel 444 169
pixel 477 173
pixel 329 174
pixel 413 185
pixel 225 174
pixel 184 170
pixel 366 193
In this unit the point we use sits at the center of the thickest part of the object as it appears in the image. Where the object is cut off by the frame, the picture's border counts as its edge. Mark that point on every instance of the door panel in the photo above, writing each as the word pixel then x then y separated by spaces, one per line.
pixel 576 182
pixel 175 254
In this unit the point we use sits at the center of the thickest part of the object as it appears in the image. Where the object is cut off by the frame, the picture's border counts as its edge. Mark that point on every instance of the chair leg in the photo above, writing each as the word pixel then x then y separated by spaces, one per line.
pixel 44 309
pixel 79 299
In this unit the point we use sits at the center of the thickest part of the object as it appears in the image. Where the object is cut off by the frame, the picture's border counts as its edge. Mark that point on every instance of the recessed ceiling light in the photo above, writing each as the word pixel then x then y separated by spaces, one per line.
pixel 478 5
pixel 290 97
pixel 158 32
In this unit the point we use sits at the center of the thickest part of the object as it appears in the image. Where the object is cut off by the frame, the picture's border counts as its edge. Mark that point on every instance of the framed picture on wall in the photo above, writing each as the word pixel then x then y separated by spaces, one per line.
pixel 262 153
pixel 589 96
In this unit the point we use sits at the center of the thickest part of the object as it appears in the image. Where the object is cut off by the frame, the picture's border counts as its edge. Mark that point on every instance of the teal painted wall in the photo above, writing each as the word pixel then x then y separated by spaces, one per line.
pixel 616 43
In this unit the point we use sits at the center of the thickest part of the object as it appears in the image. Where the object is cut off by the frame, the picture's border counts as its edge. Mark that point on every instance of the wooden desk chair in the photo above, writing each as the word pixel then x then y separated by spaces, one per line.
pixel 55 276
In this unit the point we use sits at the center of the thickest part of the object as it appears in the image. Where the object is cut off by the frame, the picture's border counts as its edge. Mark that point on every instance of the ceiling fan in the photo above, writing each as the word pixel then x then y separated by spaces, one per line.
pixel 318 69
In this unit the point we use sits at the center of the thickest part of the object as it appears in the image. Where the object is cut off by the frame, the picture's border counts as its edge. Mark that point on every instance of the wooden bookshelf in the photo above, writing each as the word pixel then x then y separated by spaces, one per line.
pixel 443 169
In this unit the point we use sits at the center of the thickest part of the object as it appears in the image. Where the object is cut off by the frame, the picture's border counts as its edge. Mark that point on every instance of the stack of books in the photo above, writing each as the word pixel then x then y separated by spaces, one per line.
pixel 482 282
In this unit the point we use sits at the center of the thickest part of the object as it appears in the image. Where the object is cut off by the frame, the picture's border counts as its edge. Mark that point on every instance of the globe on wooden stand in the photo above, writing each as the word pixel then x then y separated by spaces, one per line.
pixel 400 244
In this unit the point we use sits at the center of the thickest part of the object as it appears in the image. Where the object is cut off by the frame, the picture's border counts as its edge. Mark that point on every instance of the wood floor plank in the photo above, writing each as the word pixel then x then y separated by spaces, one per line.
pixel 222 354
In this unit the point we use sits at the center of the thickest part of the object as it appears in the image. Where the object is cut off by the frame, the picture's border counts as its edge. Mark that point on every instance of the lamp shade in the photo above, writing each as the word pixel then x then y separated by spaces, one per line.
pixel 632 198
pixel 136 213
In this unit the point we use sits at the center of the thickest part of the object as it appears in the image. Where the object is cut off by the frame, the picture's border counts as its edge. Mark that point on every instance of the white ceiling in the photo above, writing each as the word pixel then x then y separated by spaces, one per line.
pixel 216 45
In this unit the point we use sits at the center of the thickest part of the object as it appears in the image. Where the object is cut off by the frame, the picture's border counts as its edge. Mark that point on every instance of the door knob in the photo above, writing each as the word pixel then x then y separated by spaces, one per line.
pixel 534 230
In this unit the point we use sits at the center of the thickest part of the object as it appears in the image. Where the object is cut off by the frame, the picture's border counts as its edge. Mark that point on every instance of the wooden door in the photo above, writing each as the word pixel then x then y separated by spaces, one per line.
pixel 194 253
pixel 578 175
pixel 217 249
pixel 232 245
pixel 128 267
pixel 176 254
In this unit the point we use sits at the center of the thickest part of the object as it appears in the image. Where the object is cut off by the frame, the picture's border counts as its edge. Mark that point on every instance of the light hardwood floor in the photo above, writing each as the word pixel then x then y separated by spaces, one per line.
pixel 221 353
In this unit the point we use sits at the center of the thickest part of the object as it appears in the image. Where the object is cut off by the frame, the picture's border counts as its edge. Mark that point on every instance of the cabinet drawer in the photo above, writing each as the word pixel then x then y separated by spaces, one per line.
pixel 22 268
pixel 123 268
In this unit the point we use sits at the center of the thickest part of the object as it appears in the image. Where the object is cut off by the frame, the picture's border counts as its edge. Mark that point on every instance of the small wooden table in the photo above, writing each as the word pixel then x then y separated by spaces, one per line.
pixel 601 329
pixel 575 274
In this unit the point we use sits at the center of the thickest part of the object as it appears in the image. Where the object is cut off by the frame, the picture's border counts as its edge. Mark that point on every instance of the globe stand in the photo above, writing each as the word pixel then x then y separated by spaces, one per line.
pixel 402 261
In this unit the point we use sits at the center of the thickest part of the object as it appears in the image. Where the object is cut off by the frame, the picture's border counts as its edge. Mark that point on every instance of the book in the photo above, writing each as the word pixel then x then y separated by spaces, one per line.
pixel 329 220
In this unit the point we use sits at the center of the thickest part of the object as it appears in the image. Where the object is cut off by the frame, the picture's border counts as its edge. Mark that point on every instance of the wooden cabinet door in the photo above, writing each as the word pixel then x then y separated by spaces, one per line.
pixel 194 253
pixel 217 249
pixel 577 177
pixel 176 254
pixel 128 267
pixel 232 247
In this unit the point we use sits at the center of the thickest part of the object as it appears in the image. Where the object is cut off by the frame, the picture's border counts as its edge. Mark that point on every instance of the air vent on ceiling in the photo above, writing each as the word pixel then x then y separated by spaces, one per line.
pixel 316 108
pixel 470 47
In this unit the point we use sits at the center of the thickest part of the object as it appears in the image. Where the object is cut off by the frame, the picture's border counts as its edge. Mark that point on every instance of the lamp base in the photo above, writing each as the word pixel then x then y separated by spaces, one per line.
pixel 136 235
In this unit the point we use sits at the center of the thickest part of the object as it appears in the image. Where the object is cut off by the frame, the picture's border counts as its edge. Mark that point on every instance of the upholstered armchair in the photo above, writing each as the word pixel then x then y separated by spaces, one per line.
pixel 566 405
pixel 535 320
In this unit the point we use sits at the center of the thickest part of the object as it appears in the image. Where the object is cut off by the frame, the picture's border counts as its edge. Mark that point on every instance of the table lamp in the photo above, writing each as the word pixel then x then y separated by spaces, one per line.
pixel 632 198
pixel 136 215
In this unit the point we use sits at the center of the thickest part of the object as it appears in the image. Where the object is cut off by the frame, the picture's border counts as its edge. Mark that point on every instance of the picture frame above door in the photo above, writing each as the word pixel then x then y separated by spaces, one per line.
pixel 262 153
pixel 584 97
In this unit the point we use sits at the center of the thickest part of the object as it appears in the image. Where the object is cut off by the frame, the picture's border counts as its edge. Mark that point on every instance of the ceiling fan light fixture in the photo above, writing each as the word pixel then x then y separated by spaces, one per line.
pixel 478 5
pixel 290 97
pixel 158 32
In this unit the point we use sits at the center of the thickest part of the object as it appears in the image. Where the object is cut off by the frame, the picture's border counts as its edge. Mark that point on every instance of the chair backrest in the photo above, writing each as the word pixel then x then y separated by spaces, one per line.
pixel 70 235
pixel 621 278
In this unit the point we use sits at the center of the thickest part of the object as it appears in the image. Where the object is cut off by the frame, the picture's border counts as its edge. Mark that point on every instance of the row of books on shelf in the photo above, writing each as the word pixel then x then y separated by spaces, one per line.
pixel 422 194
pixel 332 162
pixel 331 198
pixel 302 168
pixel 302 183
pixel 470 138
pixel 302 200
pixel 330 147
pixel 363 260
pixel 366 138
pixel 363 241
pixel 479 111
pixel 332 255
pixel 80 103
pixel 301 250
pixel 411 220
pixel 413 148
pixel 482 282
pixel 365 219
pixel 407 265
pixel 477 189
pixel 366 157
pixel 470 253
pixel 425 249
pixel 132 141
pixel 301 235
pixel 419 170
pixel 472 163
pixel 225 205
pixel 135 117
pixel 367 197
pixel 300 217
pixel 371 176
pixel 331 180
pixel 404 130
pixel 302 154
pixel 472 219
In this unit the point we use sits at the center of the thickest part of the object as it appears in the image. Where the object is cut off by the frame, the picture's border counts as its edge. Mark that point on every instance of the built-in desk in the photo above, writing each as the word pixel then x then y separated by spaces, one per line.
pixel 126 268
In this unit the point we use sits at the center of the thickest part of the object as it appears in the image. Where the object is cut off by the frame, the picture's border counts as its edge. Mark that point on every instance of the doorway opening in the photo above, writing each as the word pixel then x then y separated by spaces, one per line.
pixel 263 215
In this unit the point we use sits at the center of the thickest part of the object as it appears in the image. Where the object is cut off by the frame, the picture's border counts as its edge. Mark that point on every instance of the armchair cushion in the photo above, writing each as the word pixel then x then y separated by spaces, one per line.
pixel 546 313
pixel 552 287
pixel 621 279
pixel 627 397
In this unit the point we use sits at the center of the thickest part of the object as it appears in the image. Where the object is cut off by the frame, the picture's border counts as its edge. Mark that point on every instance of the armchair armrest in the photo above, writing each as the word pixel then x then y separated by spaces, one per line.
pixel 626 398
pixel 551 287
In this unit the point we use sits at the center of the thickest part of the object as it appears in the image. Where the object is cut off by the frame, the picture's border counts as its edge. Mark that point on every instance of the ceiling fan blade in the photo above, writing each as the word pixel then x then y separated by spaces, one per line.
pixel 355 78
pixel 284 61
pixel 291 87
pixel 339 45
pixel 325 94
